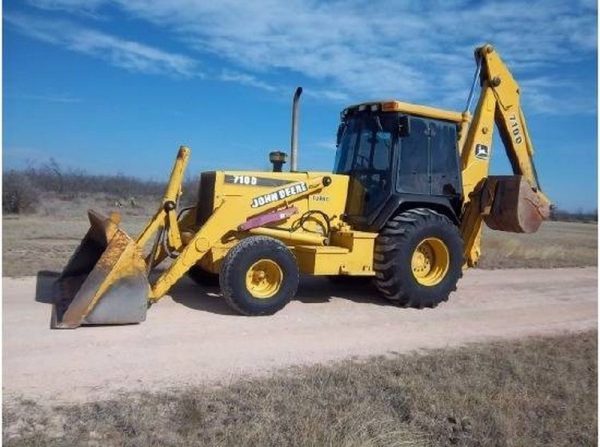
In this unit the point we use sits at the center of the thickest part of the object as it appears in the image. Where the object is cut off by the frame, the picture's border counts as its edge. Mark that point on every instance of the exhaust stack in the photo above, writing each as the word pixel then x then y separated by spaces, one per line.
pixel 294 142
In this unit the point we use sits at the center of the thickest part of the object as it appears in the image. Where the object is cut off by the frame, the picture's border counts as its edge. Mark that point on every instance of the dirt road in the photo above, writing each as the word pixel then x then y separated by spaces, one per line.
pixel 191 337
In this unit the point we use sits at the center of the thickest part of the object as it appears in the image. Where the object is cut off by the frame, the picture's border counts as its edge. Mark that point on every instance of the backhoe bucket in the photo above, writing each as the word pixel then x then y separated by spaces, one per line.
pixel 513 205
pixel 104 282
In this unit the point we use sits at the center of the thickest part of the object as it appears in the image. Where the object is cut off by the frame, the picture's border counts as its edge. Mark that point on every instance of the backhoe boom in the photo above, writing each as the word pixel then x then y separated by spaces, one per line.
pixel 506 203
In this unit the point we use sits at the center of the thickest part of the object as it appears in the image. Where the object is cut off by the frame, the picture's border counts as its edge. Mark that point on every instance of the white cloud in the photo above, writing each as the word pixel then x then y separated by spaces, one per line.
pixel 557 96
pixel 87 8
pixel 245 79
pixel 68 5
pixel 127 54
pixel 415 51
pixel 325 145
pixel 330 95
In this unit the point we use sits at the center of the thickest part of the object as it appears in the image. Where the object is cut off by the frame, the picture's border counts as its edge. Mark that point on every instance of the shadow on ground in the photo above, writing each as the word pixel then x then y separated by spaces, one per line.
pixel 312 290
pixel 45 286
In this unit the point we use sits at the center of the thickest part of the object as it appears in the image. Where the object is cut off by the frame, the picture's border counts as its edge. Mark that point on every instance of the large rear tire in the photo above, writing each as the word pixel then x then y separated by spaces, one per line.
pixel 259 276
pixel 418 258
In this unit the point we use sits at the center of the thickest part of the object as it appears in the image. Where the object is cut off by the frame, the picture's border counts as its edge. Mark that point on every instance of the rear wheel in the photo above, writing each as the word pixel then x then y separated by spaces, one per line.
pixel 418 258
pixel 259 276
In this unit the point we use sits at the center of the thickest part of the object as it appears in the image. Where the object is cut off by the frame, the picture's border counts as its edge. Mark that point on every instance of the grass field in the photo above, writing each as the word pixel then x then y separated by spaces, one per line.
pixel 540 391
pixel 556 244
pixel 533 392
pixel 45 241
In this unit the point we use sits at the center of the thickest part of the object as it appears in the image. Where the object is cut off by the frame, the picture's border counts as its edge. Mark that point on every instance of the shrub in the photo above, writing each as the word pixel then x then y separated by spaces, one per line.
pixel 18 194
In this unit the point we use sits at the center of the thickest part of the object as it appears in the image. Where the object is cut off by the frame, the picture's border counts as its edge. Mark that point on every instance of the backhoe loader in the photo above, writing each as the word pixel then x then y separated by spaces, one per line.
pixel 404 206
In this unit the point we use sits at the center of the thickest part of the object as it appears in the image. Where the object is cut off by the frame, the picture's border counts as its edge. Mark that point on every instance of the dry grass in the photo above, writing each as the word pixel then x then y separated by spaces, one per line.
pixel 46 240
pixel 556 244
pixel 533 392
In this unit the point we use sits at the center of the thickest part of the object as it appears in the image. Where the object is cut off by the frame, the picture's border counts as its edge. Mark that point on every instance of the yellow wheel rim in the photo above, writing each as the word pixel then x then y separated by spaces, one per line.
pixel 264 278
pixel 430 261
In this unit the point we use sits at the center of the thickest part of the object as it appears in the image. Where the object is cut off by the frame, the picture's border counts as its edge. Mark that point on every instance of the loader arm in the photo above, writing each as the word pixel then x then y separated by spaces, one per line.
pixel 165 217
pixel 499 104
pixel 226 220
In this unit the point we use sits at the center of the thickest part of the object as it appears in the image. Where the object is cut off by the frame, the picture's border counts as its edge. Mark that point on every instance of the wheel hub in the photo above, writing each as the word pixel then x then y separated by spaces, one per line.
pixel 430 261
pixel 264 278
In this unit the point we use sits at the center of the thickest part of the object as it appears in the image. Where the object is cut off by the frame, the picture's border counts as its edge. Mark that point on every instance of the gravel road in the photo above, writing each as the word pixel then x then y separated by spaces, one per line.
pixel 191 337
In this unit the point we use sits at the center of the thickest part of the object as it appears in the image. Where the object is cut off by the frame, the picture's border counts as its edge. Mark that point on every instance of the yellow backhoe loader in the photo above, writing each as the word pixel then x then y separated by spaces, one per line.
pixel 403 206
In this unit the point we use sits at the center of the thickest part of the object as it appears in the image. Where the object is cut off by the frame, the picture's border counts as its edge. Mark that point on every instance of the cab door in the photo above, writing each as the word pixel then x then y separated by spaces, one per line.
pixel 413 172
pixel 443 151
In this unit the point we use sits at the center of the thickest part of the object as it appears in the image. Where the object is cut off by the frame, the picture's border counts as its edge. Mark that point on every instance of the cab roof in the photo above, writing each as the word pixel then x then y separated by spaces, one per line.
pixel 390 105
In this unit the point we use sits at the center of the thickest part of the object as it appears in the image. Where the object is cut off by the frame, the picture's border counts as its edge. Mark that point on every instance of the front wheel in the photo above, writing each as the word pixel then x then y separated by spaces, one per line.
pixel 418 258
pixel 259 276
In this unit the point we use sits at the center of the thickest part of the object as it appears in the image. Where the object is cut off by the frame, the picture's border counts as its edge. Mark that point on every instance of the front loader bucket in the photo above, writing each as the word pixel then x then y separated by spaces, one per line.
pixel 104 282
pixel 515 205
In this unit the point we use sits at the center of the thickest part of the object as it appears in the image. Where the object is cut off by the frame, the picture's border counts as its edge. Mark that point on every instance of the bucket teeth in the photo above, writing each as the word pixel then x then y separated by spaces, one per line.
pixel 105 280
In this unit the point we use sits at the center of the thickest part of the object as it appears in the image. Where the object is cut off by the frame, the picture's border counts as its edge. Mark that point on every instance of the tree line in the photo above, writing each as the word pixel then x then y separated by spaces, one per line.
pixel 21 189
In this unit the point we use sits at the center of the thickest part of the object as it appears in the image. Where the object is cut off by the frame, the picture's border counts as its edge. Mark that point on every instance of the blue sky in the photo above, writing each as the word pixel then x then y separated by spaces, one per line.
pixel 117 85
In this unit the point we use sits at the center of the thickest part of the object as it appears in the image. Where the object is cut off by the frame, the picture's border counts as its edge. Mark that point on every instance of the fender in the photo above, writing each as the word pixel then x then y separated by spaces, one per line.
pixel 401 202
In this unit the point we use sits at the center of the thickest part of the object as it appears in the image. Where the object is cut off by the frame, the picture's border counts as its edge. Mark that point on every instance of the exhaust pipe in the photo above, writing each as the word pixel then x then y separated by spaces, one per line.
pixel 294 142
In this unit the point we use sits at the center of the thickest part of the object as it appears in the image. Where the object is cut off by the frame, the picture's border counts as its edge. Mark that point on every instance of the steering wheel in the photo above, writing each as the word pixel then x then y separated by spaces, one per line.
pixel 360 158
pixel 366 178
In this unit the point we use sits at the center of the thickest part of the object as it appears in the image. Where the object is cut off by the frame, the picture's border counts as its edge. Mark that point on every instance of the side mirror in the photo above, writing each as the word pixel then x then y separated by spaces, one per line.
pixel 403 126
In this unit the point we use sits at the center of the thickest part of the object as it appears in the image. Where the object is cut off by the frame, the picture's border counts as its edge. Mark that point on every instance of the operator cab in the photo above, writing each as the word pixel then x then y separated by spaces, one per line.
pixel 397 153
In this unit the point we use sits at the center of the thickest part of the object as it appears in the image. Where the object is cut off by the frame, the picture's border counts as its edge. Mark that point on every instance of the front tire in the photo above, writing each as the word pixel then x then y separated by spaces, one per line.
pixel 418 258
pixel 259 276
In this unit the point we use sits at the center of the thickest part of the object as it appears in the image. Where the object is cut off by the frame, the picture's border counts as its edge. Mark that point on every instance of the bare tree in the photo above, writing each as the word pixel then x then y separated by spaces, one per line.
pixel 18 193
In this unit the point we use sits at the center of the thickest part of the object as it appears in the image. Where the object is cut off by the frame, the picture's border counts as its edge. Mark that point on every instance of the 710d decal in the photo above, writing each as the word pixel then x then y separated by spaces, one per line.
pixel 280 194
pixel 250 180
pixel 515 129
